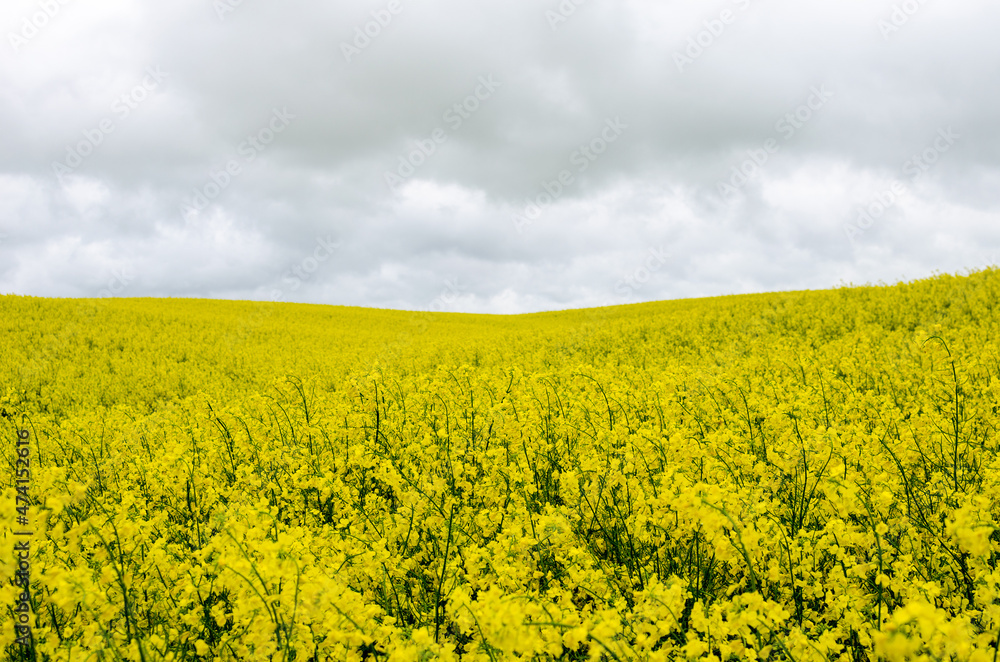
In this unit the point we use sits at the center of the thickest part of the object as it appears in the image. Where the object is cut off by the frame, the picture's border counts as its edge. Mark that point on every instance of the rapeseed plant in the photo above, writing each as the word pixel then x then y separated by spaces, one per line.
pixel 794 476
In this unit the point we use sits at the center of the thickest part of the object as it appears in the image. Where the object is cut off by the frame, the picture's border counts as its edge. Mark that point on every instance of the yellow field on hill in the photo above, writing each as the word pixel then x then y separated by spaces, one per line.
pixel 793 476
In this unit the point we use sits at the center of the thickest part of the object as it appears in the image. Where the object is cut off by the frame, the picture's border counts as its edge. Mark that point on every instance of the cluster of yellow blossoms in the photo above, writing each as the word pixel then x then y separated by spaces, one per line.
pixel 796 476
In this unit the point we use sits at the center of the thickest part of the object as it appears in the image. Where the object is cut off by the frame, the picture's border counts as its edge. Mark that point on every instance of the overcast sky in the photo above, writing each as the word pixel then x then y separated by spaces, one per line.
pixel 491 156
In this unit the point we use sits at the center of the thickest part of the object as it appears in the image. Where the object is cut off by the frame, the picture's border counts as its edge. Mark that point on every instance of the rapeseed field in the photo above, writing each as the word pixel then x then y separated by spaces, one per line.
pixel 794 476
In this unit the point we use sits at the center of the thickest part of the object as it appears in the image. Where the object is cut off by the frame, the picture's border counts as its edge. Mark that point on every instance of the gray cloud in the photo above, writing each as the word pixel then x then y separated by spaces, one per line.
pixel 489 105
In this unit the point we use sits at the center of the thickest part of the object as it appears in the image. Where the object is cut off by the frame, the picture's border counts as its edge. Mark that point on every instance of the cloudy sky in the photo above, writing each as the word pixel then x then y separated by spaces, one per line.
pixel 493 156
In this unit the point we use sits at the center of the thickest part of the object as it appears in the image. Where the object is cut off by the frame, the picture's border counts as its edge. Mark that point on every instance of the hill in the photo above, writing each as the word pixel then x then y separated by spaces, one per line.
pixel 797 476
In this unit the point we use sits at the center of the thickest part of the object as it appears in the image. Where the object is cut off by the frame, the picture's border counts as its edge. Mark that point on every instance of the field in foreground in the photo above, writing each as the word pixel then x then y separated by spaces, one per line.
pixel 796 476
